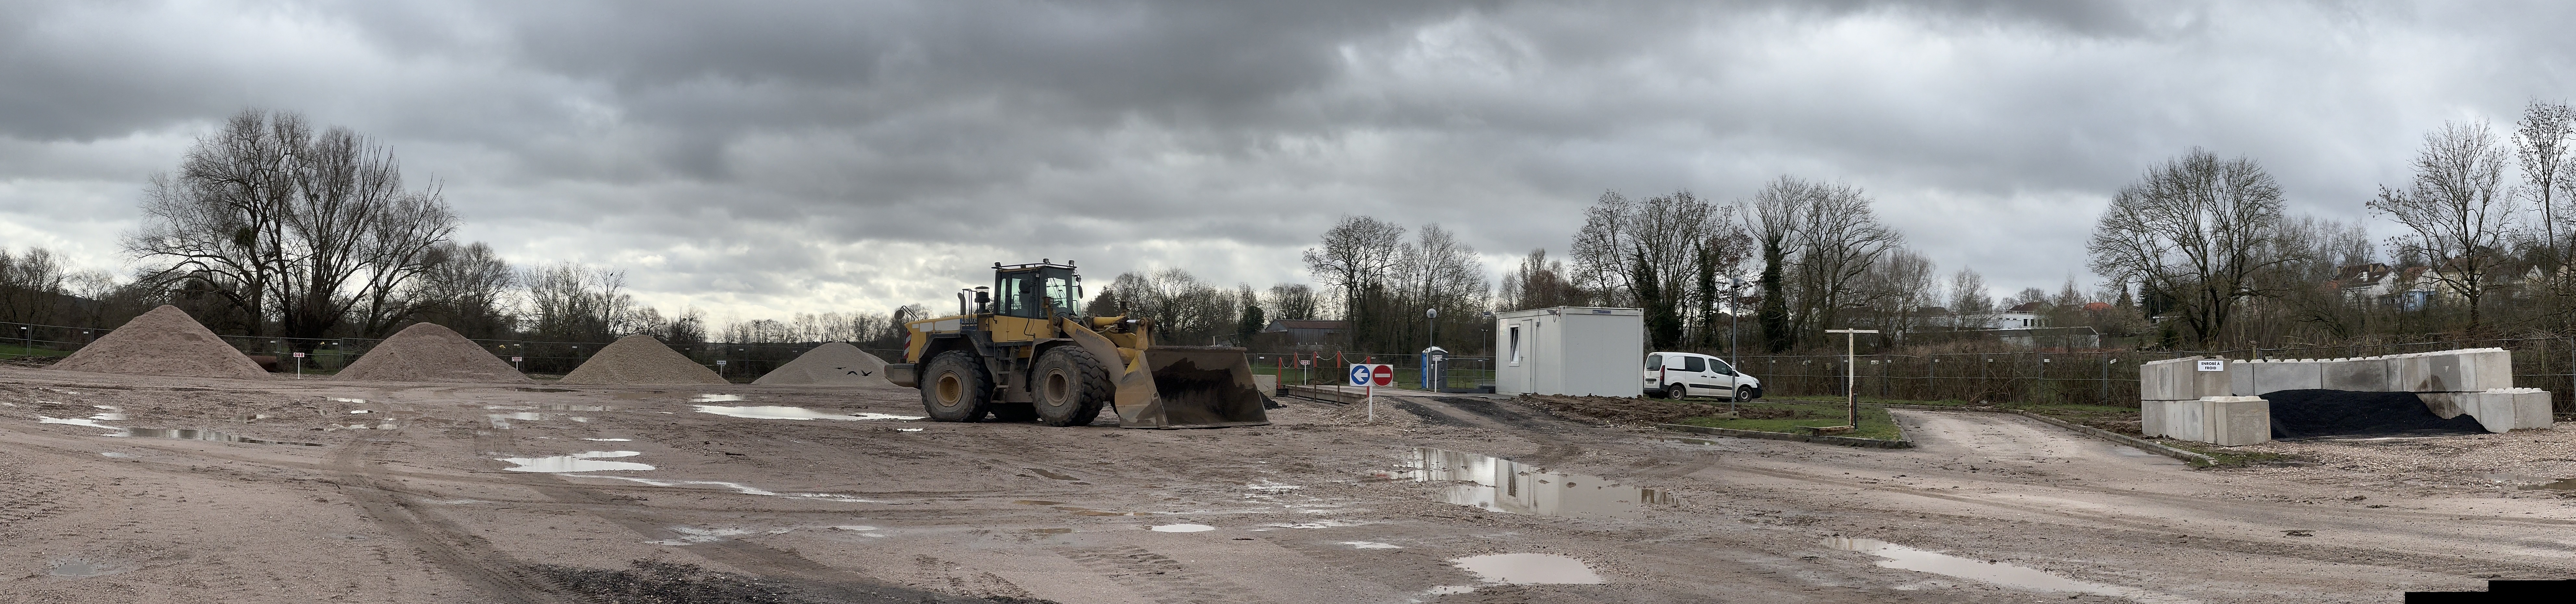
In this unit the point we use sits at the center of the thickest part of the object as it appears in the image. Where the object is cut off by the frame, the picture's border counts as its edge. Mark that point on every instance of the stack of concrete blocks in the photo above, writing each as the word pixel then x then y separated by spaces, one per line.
pixel 2178 401
pixel 2173 397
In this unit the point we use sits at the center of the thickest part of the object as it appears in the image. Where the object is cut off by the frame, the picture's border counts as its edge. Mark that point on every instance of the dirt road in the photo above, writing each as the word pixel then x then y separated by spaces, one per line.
pixel 447 493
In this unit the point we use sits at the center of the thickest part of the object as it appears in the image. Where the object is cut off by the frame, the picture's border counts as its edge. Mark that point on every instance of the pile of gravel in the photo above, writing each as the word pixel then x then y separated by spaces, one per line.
pixel 2314 413
pixel 428 352
pixel 640 360
pixel 833 364
pixel 165 341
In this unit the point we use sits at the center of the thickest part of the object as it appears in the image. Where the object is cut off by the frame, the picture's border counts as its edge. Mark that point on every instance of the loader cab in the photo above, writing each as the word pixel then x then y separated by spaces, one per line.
pixel 1037 291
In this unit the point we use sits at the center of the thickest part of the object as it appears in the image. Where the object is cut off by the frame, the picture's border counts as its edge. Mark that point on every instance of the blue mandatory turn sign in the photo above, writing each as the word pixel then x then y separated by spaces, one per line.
pixel 1372 375
pixel 1360 375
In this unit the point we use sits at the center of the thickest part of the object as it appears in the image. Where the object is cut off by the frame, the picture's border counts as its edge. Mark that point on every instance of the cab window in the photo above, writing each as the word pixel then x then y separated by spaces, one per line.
pixel 1694 364
pixel 1721 366
pixel 1016 295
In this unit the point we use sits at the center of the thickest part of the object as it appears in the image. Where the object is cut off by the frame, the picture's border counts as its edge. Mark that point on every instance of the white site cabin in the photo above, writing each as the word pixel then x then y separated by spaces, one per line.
pixel 1571 350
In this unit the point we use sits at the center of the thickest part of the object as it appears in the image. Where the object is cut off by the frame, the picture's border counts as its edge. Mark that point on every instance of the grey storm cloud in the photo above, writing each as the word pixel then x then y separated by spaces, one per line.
pixel 771 158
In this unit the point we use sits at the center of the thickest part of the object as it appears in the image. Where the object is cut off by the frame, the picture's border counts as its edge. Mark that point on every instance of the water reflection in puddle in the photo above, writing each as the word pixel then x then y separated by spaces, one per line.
pixel 737 487
pixel 715 398
pixel 2563 484
pixel 791 413
pixel 1521 569
pixel 550 407
pixel 577 462
pixel 2007 575
pixel 1507 486
pixel 91 422
pixel 76 567
pixel 186 434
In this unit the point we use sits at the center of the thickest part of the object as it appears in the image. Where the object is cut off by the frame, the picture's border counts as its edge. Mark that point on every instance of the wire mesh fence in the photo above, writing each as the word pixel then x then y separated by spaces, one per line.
pixel 2099 378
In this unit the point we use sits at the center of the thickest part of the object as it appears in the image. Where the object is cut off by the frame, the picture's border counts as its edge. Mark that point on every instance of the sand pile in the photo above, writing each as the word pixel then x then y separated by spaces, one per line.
pixel 637 360
pixel 428 352
pixel 833 364
pixel 165 341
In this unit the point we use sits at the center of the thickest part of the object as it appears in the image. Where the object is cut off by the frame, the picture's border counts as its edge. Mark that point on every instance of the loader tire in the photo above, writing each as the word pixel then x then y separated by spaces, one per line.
pixel 954 388
pixel 1071 386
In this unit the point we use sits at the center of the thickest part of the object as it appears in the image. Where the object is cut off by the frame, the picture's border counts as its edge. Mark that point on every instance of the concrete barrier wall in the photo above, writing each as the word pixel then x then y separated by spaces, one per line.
pixel 2221 407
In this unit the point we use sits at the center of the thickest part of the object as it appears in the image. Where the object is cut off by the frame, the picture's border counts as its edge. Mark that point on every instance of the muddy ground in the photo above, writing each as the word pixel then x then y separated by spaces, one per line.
pixel 410 502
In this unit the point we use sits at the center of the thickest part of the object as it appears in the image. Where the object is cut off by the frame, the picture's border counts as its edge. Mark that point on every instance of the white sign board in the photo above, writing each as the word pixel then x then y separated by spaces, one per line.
pixel 2213 365
pixel 1372 375
pixel 299 355
pixel 514 359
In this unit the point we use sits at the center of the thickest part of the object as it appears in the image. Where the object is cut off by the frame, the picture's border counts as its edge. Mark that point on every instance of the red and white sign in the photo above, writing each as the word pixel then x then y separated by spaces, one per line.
pixel 299 355
pixel 1372 375
pixel 514 359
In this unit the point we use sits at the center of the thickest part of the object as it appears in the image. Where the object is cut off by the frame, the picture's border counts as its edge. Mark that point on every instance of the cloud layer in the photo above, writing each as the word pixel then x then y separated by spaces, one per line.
pixel 786 157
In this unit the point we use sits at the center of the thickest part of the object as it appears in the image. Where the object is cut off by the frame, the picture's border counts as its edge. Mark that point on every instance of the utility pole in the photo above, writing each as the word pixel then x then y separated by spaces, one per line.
pixel 1851 375
pixel 1734 296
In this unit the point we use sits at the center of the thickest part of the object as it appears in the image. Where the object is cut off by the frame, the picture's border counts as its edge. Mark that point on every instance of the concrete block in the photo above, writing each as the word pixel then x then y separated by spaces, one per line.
pixel 2360 375
pixel 2411 373
pixel 2203 384
pixel 2487 368
pixel 2531 410
pixel 2466 370
pixel 2187 420
pixel 2239 420
pixel 2160 380
pixel 2240 378
pixel 2151 417
pixel 1269 384
pixel 2494 410
pixel 2276 376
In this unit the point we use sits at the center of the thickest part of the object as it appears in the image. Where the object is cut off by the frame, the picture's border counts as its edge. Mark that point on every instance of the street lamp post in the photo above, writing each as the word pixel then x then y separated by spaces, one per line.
pixel 1851 374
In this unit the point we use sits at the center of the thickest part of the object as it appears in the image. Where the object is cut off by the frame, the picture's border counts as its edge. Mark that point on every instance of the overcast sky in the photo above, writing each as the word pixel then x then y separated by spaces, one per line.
pixel 757 160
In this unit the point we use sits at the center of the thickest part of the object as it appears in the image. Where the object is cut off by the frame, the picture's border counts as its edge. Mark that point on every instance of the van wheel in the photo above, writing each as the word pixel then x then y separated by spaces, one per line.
pixel 954 388
pixel 1676 391
pixel 1742 394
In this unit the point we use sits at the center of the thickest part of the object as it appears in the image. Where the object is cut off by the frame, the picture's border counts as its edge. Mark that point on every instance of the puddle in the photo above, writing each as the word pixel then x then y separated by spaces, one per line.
pixel 1687 441
pixel 76 567
pixel 1503 485
pixel 1528 569
pixel 1370 545
pixel 2007 575
pixel 524 389
pixel 1318 524
pixel 715 398
pixel 353 401
pixel 690 535
pixel 118 454
pixel 791 413
pixel 610 440
pixel 1448 590
pixel 854 527
pixel 577 462
pixel 1051 531
pixel 737 487
pixel 1037 502
pixel 2563 484
pixel 187 434
pixel 357 411
pixel 907 429
pixel 88 422
pixel 1182 528
pixel 549 407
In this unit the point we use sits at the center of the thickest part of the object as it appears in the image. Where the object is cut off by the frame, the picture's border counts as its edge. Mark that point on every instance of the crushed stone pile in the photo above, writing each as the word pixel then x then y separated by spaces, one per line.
pixel 429 352
pixel 640 360
pixel 2313 413
pixel 833 364
pixel 165 341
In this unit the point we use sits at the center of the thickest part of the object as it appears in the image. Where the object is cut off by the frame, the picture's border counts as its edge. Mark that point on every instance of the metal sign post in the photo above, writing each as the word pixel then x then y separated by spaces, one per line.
pixel 299 365
pixel 1368 378
pixel 1851 374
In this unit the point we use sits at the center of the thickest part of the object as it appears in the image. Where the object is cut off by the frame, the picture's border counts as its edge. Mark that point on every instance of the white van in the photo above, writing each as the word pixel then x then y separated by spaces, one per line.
pixel 1681 374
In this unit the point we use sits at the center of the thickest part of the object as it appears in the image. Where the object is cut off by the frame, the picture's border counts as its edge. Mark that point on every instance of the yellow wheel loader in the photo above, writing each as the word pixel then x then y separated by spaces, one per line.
pixel 1023 350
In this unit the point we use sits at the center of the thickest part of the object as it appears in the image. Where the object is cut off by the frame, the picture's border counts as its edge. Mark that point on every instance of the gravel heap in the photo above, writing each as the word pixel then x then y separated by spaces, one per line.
pixel 165 341
pixel 2308 413
pixel 833 364
pixel 428 352
pixel 640 360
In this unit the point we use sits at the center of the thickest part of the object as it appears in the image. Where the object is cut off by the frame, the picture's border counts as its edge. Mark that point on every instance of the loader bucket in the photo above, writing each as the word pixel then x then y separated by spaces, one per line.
pixel 1191 387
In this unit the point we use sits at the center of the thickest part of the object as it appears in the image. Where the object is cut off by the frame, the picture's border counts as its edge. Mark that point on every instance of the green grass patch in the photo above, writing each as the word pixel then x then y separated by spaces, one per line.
pixel 15 351
pixel 1872 400
pixel 1786 417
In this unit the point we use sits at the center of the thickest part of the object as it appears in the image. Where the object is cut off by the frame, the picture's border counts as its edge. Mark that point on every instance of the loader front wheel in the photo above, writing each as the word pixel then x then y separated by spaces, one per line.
pixel 1071 387
pixel 954 388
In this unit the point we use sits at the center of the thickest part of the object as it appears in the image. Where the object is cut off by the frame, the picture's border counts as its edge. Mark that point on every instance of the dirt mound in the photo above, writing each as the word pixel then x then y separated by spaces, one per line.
pixel 833 364
pixel 165 341
pixel 1623 410
pixel 640 360
pixel 2309 413
pixel 428 352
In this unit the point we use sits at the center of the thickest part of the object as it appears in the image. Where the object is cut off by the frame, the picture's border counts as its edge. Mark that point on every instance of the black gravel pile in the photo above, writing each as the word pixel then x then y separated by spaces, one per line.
pixel 2315 413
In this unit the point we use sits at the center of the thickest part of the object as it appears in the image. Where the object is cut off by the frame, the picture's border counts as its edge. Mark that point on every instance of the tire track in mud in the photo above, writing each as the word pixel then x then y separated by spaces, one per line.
pixel 1159 577
pixel 24 496
pixel 470 558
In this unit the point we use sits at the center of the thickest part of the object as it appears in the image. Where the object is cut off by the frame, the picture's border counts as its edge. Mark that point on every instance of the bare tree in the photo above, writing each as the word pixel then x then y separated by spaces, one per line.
pixel 2456 210
pixel 2195 228
pixel 1838 240
pixel 1292 302
pixel 569 302
pixel 2542 142
pixel 1969 299
pixel 1356 255
pixel 1775 215
pixel 1537 283
pixel 31 286
pixel 466 288
pixel 1897 289
pixel 289 226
